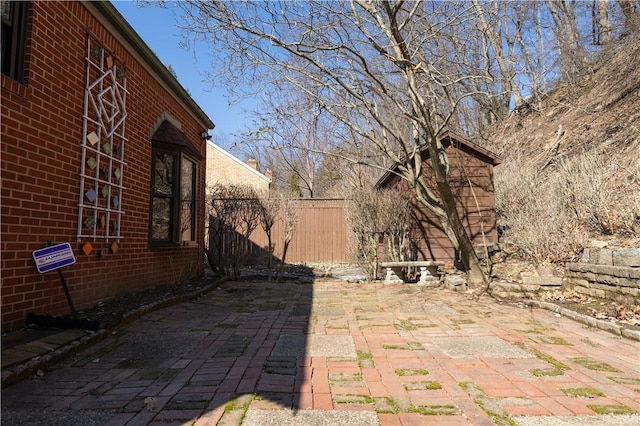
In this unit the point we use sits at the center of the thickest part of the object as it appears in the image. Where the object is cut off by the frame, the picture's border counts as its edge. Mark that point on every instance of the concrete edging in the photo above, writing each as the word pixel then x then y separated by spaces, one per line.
pixel 587 320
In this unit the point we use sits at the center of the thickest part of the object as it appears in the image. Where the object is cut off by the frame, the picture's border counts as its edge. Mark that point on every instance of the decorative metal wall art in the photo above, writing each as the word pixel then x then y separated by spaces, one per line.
pixel 103 142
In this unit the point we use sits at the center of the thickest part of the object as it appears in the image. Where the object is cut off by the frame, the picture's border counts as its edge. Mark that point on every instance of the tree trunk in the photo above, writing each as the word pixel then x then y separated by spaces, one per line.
pixel 461 241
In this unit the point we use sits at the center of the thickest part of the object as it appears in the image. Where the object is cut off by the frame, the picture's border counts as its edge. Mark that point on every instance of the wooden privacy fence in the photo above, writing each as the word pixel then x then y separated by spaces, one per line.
pixel 321 236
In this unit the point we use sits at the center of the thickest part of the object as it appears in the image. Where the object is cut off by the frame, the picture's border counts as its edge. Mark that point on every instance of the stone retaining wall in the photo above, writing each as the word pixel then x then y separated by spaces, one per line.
pixel 606 272
pixel 602 272
pixel 602 280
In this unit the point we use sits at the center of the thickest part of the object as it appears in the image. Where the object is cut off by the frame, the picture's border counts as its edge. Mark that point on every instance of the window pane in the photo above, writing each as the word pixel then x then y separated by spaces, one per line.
pixel 161 216
pixel 163 173
pixel 187 196
pixel 5 8
pixel 14 20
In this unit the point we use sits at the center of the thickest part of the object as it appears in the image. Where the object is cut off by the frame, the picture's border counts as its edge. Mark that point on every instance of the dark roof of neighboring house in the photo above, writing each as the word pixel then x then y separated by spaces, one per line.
pixel 450 138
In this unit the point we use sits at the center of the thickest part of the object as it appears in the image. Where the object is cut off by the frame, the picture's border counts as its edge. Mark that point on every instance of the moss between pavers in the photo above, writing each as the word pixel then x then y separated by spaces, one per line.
pixel 405 325
pixel 590 342
pixel 234 346
pixel 422 386
pixel 236 410
pixel 281 365
pixel 163 375
pixel 546 372
pixel 385 405
pixel 616 410
pixel 411 372
pixel 551 340
pixel 493 410
pixel 463 321
pixel 582 392
pixel 436 410
pixel 352 399
pixel 369 326
pixel 132 363
pixel 410 346
pixel 240 402
pixel 557 368
pixel 227 325
pixel 365 360
pixel 594 365
pixel 346 380
pixel 625 380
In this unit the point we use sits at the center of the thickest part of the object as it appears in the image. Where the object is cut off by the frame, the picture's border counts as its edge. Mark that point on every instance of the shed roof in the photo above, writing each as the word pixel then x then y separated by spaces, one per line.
pixel 449 138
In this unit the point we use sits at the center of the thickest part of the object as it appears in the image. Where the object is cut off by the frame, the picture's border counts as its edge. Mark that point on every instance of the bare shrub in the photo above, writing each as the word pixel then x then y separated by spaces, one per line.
pixel 180 274
pixel 372 214
pixel 394 214
pixel 599 194
pixel 290 218
pixel 236 212
pixel 550 217
pixel 362 218
pixel 268 210
pixel 533 214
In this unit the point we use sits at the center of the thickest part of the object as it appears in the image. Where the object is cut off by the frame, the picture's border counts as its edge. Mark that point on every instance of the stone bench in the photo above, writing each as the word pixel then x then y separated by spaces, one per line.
pixel 428 271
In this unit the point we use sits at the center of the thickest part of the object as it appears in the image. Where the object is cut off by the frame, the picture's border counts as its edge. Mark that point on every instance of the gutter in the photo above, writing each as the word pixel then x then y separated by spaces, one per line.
pixel 106 13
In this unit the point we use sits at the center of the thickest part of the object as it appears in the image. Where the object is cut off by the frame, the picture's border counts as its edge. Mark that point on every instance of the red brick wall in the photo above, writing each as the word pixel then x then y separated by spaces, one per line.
pixel 40 155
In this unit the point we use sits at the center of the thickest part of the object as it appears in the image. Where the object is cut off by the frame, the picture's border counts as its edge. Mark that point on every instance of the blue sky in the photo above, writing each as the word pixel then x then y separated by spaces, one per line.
pixel 156 26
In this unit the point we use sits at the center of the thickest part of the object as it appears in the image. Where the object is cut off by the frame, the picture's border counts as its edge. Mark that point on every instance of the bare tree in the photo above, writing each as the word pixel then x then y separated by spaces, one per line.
pixel 631 11
pixel 495 28
pixel 571 53
pixel 377 68
pixel 362 219
pixel 601 23
pixel 236 213
pixel 295 147
pixel 290 219
pixel 269 208
pixel 393 75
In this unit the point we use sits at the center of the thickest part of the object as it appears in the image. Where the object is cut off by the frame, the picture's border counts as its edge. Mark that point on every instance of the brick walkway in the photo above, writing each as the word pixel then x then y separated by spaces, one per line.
pixel 334 353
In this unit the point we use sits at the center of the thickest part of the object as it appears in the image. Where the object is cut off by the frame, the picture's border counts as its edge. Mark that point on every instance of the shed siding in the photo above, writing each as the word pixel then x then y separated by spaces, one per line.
pixel 471 179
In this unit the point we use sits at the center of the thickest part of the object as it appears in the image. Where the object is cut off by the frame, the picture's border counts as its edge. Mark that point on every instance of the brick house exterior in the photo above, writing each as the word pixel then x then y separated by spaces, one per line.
pixel 471 178
pixel 101 148
pixel 222 167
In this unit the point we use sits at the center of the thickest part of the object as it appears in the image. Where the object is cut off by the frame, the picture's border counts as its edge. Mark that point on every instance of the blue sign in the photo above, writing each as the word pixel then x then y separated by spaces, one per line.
pixel 54 257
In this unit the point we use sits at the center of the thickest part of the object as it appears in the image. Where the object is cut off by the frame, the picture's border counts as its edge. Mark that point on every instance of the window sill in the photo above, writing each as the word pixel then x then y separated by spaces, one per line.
pixel 15 87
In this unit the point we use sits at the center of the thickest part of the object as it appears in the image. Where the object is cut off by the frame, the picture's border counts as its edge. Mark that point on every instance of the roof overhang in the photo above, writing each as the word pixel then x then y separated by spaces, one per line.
pixel 449 138
pixel 125 34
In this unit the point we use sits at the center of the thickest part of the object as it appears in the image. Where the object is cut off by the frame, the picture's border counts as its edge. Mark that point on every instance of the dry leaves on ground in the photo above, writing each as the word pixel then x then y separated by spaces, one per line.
pixel 623 309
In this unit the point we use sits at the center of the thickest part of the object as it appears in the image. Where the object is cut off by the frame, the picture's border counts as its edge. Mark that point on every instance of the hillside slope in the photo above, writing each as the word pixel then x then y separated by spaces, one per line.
pixel 601 110
pixel 572 161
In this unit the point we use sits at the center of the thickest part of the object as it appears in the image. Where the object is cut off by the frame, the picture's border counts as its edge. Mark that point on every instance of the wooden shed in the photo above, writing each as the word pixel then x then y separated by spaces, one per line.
pixel 470 173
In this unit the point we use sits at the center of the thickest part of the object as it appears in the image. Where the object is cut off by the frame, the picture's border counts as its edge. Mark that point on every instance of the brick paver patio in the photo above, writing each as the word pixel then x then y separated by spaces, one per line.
pixel 337 353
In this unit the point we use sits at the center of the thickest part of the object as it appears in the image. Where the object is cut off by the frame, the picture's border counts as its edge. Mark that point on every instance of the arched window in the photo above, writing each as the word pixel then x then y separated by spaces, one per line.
pixel 173 187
